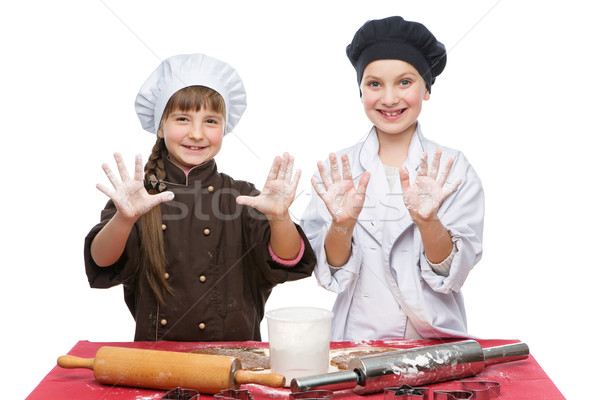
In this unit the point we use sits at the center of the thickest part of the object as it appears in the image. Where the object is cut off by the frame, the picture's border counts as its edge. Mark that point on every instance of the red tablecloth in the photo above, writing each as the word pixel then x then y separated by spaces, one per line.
pixel 523 379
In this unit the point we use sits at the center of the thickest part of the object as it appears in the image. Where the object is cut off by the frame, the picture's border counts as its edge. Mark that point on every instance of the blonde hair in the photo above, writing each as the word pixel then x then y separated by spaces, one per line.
pixel 152 264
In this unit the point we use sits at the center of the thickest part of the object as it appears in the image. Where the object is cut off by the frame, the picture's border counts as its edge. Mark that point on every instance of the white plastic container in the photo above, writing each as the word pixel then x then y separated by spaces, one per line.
pixel 299 341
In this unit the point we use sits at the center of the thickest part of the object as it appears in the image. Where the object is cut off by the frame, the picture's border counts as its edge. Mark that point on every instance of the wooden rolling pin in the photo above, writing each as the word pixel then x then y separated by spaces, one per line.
pixel 168 370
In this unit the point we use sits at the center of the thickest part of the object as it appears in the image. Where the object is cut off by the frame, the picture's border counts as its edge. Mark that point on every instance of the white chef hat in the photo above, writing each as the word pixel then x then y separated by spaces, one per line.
pixel 185 70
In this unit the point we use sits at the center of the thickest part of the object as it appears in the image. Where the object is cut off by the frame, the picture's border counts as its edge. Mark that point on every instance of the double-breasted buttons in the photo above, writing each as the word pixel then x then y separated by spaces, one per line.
pixel 163 322
pixel 163 227
pixel 206 231
pixel 211 188
pixel 166 275
pixel 201 325
pixel 202 278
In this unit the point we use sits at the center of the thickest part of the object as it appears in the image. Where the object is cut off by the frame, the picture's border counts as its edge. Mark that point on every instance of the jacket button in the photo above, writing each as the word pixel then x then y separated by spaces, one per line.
pixel 211 188
pixel 206 231
pixel 166 275
pixel 202 278
pixel 163 322
pixel 201 325
pixel 164 227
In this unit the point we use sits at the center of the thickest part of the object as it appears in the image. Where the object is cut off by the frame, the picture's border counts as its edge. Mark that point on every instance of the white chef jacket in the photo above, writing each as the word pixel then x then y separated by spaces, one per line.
pixel 387 278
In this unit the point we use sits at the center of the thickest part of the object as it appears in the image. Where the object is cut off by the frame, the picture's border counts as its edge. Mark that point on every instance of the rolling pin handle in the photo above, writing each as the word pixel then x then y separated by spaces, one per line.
pixel 506 353
pixel 272 380
pixel 75 362
pixel 331 381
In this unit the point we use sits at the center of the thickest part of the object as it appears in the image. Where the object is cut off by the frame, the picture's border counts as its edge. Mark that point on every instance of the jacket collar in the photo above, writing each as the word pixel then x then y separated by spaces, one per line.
pixel 368 155
pixel 415 149
pixel 177 176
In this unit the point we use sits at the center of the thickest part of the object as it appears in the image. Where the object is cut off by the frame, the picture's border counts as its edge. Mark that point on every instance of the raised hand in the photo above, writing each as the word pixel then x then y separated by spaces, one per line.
pixel 344 201
pixel 424 197
pixel 129 195
pixel 279 190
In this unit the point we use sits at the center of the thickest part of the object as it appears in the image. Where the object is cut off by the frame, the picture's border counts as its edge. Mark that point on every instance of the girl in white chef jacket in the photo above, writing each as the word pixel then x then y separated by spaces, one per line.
pixel 398 225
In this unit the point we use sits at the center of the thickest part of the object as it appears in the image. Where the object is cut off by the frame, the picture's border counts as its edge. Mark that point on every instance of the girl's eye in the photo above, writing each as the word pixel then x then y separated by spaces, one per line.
pixel 373 84
pixel 404 82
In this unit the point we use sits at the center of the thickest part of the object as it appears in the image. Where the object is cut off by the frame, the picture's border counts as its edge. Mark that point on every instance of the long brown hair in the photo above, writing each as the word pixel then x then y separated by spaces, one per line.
pixel 152 266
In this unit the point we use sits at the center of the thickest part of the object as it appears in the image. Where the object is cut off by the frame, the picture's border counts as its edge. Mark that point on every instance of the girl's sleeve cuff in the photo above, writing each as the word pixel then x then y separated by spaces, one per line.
pixel 287 263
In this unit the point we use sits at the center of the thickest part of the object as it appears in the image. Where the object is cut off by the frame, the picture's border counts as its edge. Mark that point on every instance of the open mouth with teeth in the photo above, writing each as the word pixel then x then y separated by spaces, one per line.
pixel 392 114
pixel 194 148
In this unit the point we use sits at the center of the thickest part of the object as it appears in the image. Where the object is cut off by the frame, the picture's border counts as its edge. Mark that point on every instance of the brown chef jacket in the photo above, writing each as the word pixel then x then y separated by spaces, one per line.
pixel 218 262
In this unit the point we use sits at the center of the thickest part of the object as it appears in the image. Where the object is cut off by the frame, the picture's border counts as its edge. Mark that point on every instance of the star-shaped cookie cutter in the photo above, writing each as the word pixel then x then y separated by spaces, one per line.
pixel 406 392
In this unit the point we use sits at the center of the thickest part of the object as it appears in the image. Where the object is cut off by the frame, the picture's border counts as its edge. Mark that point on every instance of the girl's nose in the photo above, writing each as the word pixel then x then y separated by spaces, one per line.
pixel 196 132
pixel 390 97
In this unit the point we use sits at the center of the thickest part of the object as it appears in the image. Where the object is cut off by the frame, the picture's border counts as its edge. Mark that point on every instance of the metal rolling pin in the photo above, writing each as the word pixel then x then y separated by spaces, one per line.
pixel 414 367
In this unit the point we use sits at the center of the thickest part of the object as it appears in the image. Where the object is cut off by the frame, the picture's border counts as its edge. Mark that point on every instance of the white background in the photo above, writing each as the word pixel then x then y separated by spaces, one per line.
pixel 519 97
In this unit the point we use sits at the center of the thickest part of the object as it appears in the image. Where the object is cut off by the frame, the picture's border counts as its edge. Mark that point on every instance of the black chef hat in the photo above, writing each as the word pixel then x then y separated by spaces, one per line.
pixel 395 38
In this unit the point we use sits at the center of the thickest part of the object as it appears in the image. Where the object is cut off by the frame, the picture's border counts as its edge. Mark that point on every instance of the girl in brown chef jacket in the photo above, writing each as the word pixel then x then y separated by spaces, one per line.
pixel 197 252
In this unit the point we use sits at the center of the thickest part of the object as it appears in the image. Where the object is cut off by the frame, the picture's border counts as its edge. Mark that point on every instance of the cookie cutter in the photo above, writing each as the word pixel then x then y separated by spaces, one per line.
pixel 482 390
pixel 234 394
pixel 473 390
pixel 406 392
pixel 191 394
pixel 312 395
pixel 181 394
pixel 452 395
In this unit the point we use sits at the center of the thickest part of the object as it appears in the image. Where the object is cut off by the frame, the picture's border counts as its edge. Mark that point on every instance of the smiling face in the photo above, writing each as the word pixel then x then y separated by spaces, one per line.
pixel 392 96
pixel 193 126
pixel 192 137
